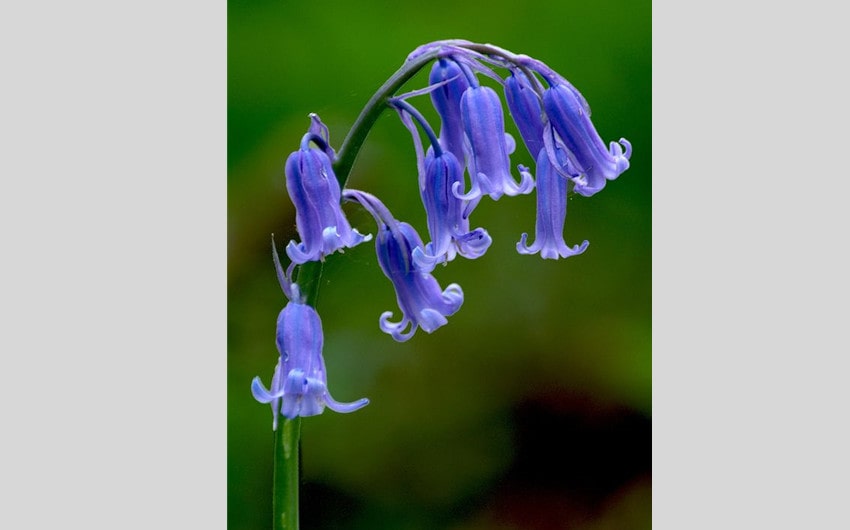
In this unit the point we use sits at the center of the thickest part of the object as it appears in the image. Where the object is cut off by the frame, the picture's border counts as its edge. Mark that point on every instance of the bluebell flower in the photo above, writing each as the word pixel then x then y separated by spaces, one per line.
pixel 551 213
pixel 448 215
pixel 448 223
pixel 421 300
pixel 315 191
pixel 450 85
pixel 488 147
pixel 299 386
pixel 569 117
pixel 524 106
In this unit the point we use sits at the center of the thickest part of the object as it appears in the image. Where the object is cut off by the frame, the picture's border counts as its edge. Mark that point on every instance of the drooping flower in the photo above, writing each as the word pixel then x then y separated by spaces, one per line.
pixel 448 215
pixel 568 116
pixel 524 106
pixel 299 386
pixel 315 191
pixel 421 300
pixel 551 214
pixel 488 147
pixel 450 84
pixel 448 223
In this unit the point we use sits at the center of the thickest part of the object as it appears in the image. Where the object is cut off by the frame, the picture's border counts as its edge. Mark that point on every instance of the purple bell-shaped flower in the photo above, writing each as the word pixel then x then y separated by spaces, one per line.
pixel 315 191
pixel 524 106
pixel 299 386
pixel 422 302
pixel 595 164
pixel 448 215
pixel 450 84
pixel 551 214
pixel 488 147
pixel 448 223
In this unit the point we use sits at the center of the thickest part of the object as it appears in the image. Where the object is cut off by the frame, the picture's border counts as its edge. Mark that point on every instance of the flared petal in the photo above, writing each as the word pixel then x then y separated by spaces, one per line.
pixel 396 329
pixel 344 408
pixel 260 393
pixel 474 244
pixel 430 319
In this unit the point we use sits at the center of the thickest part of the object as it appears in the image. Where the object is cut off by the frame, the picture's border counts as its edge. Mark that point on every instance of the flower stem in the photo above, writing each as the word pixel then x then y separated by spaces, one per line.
pixel 287 437
pixel 369 115
pixel 308 278
pixel 286 474
pixel 309 275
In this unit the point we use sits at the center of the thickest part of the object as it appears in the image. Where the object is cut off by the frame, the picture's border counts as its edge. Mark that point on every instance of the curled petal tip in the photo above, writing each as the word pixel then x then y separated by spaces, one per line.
pixel 480 186
pixel 474 244
pixel 586 191
pixel 396 329
pixel 297 253
pixel 345 408
pixel 430 320
pixel 423 261
pixel 622 160
pixel 526 184
pixel 330 239
pixel 259 391
pixel 628 145
pixel 523 248
pixel 453 295
pixel 581 248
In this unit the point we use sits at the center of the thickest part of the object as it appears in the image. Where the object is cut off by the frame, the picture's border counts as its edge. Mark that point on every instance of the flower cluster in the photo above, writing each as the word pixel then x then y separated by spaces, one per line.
pixel 468 160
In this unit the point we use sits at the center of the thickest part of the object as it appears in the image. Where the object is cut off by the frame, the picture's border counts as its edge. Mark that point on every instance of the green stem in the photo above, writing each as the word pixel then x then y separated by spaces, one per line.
pixel 287 437
pixel 369 115
pixel 308 277
pixel 286 474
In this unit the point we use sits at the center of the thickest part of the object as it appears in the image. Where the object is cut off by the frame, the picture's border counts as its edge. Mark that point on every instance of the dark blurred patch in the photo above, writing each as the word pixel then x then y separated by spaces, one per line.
pixel 323 507
pixel 326 508
pixel 579 464
pixel 573 455
pixel 573 443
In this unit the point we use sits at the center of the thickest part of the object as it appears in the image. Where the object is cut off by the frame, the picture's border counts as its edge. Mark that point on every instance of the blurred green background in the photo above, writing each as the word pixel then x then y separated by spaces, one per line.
pixel 531 409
